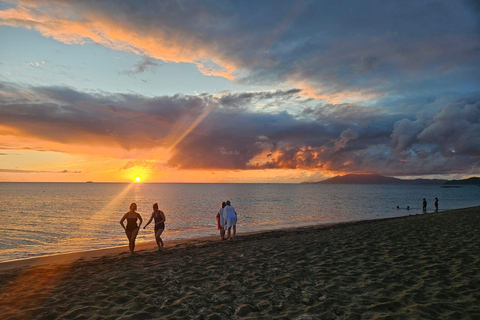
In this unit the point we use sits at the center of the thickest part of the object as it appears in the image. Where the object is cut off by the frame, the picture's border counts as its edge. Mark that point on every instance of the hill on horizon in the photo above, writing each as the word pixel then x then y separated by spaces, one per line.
pixel 472 180
pixel 376 179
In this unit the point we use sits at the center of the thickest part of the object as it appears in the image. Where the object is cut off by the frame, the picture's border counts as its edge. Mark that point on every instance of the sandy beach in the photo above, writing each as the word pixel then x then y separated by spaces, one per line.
pixel 416 267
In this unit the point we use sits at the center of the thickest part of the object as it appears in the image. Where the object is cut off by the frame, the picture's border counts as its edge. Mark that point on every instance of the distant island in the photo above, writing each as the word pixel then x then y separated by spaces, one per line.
pixel 379 179
pixel 473 180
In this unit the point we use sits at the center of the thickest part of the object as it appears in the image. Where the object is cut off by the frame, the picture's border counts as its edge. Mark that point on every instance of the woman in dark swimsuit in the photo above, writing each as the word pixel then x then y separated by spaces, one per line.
pixel 159 217
pixel 131 230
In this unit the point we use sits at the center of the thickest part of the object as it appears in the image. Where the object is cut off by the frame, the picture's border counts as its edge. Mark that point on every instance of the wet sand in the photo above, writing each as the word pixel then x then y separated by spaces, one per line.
pixel 417 267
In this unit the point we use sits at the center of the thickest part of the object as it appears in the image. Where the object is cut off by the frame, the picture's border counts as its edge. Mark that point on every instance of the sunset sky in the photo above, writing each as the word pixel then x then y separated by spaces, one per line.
pixel 239 91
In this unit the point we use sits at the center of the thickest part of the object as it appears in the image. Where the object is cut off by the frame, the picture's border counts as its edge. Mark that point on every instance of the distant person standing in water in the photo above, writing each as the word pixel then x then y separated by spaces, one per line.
pixel 230 217
pixel 131 230
pixel 221 221
pixel 160 219
pixel 436 204
pixel 424 206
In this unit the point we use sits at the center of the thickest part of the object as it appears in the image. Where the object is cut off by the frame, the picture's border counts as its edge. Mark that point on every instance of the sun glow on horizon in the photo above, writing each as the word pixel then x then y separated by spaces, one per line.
pixel 138 179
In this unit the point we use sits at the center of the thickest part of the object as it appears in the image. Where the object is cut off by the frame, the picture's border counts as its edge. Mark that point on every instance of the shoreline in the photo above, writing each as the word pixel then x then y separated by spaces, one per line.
pixel 411 267
pixel 89 254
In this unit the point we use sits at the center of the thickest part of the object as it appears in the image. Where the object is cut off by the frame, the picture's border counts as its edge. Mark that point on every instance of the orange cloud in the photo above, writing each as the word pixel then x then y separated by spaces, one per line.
pixel 320 93
pixel 73 23
pixel 70 24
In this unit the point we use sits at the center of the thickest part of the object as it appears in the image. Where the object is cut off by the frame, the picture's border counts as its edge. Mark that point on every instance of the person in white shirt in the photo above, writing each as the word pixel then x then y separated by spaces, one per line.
pixel 230 220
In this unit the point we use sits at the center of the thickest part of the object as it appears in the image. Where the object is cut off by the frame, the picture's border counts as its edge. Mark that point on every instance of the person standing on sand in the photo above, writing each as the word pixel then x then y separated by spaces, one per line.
pixel 221 221
pixel 230 217
pixel 424 206
pixel 436 204
pixel 131 230
pixel 160 219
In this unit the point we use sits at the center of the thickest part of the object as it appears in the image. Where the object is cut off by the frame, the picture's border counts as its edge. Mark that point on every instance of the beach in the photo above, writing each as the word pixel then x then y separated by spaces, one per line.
pixel 415 267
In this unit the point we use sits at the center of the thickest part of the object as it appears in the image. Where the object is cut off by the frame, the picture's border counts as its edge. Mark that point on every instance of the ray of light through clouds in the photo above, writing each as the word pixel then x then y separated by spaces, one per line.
pixel 244 91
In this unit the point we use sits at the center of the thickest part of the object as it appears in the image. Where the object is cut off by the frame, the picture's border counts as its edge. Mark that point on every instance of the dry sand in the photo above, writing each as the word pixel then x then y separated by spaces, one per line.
pixel 417 267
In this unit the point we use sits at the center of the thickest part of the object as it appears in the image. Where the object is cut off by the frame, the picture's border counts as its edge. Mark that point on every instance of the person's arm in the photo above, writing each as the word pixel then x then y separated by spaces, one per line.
pixel 141 220
pixel 123 219
pixel 151 217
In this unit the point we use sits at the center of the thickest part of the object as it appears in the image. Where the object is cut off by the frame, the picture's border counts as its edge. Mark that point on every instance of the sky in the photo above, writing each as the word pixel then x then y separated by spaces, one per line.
pixel 238 91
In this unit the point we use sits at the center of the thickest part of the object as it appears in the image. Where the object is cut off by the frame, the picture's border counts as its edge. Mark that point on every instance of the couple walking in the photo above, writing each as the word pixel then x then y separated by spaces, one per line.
pixel 424 204
pixel 131 230
pixel 227 219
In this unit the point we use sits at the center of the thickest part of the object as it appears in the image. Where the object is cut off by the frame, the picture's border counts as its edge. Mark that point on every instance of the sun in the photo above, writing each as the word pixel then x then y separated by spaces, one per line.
pixel 138 178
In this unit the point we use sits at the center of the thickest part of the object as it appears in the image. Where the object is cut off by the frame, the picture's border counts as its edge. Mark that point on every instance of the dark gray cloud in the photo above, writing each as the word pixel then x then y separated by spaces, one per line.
pixel 146 64
pixel 69 171
pixel 35 171
pixel 334 50
pixel 249 99
pixel 127 120
pixel 455 130
pixel 343 137
pixel 400 84
pixel 21 171
pixel 36 148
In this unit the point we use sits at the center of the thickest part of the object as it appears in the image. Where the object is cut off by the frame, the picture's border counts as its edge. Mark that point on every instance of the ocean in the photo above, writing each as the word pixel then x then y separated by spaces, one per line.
pixel 47 218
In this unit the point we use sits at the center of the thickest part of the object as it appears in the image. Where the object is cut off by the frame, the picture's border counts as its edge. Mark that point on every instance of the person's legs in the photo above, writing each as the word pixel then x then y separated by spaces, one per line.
pixel 129 236
pixel 158 238
pixel 133 238
pixel 234 231
pixel 228 233
pixel 222 232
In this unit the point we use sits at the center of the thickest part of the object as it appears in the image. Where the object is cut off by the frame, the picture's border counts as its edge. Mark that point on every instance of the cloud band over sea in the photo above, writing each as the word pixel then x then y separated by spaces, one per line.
pixel 342 137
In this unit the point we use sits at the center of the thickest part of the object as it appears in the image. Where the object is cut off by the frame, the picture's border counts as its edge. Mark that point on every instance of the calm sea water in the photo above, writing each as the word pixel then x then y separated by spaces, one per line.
pixel 47 218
